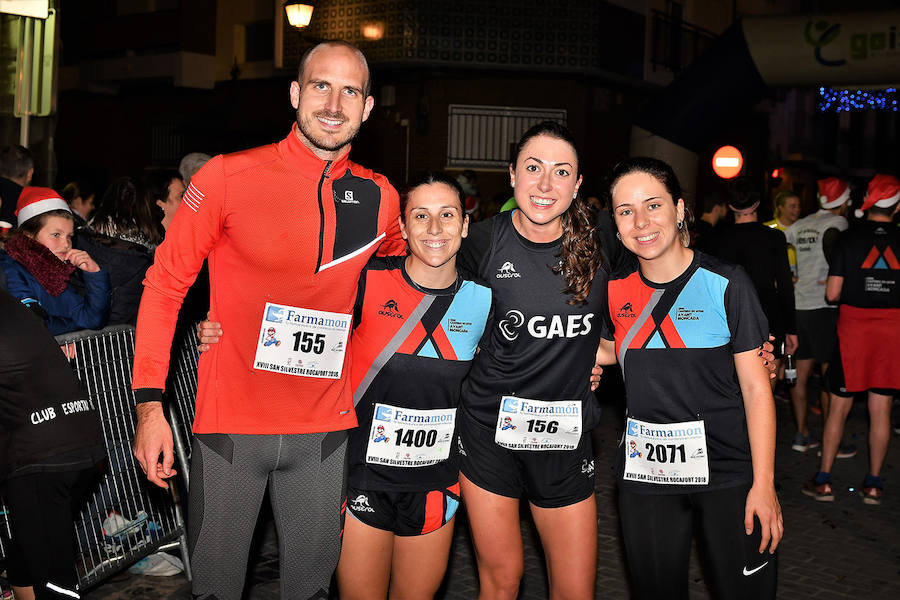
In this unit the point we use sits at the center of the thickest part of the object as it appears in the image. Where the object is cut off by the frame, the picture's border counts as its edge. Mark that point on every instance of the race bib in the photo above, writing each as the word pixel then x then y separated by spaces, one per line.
pixel 671 454
pixel 302 341
pixel 405 437
pixel 524 424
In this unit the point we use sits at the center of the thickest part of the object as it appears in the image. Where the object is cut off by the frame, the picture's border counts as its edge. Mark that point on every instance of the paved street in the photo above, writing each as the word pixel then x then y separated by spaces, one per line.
pixel 842 549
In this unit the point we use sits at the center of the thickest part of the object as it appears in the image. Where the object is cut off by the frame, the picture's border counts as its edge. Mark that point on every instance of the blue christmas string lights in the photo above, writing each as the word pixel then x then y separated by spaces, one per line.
pixel 856 100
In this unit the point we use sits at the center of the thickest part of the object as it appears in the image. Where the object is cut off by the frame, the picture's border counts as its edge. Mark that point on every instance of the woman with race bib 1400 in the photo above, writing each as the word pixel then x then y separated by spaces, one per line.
pixel 699 443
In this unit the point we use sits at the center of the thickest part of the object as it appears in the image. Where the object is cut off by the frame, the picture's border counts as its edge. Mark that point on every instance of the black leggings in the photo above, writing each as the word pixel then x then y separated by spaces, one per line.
pixel 657 533
pixel 41 515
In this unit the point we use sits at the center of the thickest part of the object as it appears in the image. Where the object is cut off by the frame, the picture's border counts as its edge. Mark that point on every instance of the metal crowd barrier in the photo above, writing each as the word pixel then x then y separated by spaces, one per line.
pixel 149 518
pixel 182 392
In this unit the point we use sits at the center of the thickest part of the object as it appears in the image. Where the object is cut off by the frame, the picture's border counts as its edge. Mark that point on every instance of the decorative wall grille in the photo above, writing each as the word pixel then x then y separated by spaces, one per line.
pixel 484 136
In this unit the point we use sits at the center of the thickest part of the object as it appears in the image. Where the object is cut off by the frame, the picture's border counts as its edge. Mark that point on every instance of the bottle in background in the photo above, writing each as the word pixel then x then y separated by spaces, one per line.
pixel 790 368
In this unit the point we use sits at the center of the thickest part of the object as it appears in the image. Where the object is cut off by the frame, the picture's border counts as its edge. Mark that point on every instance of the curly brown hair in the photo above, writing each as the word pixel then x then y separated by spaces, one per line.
pixel 581 256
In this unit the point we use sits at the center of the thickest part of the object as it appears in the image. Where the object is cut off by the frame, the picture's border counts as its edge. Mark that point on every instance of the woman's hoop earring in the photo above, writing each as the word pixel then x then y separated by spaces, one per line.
pixel 618 236
pixel 680 225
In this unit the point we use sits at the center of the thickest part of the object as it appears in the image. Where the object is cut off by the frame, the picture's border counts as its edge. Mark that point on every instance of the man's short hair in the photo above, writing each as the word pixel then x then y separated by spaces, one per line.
pixel 884 212
pixel 367 86
pixel 783 196
pixel 15 162
pixel 190 164
pixel 710 200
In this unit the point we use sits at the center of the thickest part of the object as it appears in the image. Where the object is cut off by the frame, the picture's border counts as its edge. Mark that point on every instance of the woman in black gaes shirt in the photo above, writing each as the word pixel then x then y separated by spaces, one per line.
pixel 762 251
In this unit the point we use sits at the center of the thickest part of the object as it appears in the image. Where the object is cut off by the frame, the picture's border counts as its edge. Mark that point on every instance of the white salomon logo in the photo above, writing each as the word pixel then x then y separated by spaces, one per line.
pixel 751 572
pixel 507 271
pixel 348 198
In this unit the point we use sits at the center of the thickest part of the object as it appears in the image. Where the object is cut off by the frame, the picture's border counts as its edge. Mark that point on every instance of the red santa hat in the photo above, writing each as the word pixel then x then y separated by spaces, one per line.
pixel 883 192
pixel 833 192
pixel 34 201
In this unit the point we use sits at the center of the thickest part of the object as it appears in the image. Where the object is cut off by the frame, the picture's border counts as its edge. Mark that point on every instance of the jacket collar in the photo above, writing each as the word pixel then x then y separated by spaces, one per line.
pixel 308 163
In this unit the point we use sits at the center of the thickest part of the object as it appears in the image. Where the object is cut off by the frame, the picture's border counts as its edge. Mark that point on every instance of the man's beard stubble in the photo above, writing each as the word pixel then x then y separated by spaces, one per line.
pixel 321 142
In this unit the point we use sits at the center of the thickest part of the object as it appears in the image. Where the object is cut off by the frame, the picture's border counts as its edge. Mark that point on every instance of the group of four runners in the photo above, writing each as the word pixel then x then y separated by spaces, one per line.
pixel 469 365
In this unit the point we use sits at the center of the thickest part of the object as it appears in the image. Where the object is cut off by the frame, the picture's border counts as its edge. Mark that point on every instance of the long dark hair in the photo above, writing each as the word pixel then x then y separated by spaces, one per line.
pixel 581 256
pixel 124 212
pixel 660 171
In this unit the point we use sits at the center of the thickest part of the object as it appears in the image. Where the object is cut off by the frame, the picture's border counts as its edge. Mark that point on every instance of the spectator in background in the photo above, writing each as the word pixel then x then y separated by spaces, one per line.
pixel 16 169
pixel 468 181
pixel 165 189
pixel 190 164
pixel 813 237
pixel 713 207
pixel 81 200
pixel 762 252
pixel 864 277
pixel 121 237
pixel 787 211
pixel 50 455
pixel 39 262
pixel 125 213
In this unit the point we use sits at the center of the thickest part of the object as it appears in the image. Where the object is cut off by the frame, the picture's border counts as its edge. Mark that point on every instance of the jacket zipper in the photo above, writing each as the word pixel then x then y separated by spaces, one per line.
pixel 322 215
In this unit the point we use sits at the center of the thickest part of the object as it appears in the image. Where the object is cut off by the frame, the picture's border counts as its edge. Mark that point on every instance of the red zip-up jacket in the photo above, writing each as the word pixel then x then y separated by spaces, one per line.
pixel 280 225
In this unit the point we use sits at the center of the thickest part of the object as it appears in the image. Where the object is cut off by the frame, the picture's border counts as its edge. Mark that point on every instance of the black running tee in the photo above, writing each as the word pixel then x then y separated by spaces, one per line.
pixel 411 349
pixel 867 256
pixel 676 344
pixel 536 345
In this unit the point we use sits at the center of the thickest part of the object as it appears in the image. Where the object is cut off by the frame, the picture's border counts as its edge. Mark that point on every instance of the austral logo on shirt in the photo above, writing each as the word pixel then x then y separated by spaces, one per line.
pixel 390 309
pixel 507 271
pixel 626 312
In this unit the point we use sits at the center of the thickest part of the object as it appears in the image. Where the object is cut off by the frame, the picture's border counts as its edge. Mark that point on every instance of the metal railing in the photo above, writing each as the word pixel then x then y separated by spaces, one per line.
pixel 141 519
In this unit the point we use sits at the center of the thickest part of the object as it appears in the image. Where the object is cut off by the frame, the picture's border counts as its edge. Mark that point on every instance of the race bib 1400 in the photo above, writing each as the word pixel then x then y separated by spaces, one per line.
pixel 405 437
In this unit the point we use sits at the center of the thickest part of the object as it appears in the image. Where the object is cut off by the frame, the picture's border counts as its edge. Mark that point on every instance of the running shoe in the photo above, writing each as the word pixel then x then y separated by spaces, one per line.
pixel 871 490
pixel 802 443
pixel 821 492
pixel 844 451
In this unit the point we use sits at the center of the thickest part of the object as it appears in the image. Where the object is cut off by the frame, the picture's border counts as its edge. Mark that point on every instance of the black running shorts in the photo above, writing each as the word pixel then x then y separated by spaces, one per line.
pixel 547 478
pixel 816 334
pixel 404 513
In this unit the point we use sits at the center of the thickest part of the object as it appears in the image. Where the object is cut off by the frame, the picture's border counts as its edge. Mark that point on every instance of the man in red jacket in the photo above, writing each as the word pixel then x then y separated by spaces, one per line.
pixel 286 229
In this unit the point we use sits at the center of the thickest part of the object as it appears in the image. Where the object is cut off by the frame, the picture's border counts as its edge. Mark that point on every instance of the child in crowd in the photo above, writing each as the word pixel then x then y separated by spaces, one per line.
pixel 39 263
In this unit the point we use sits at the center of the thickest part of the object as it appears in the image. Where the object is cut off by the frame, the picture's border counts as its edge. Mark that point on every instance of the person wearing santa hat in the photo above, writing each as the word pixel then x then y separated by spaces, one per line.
pixel 812 237
pixel 39 261
pixel 864 277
